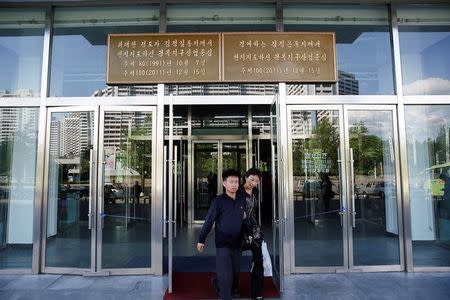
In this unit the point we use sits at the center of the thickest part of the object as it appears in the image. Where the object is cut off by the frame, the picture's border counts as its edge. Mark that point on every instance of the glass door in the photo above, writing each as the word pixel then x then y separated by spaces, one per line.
pixel 69 195
pixel 127 143
pixel 317 190
pixel 344 188
pixel 372 162
pixel 210 159
pixel 98 215
pixel 205 176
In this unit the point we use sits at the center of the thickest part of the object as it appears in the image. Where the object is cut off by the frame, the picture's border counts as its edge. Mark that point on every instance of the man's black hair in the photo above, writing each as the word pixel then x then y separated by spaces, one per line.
pixel 230 173
pixel 252 171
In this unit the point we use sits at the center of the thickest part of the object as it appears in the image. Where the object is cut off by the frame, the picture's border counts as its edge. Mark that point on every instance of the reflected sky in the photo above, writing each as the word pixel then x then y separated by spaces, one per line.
pixel 423 122
pixel 425 61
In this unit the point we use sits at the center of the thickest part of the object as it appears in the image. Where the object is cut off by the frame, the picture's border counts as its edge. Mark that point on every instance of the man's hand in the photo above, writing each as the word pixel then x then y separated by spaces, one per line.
pixel 200 247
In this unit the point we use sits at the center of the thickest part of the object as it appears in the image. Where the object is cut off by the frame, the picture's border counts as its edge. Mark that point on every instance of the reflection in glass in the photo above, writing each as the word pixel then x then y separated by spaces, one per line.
pixel 205 177
pixel 69 181
pixel 21 46
pixel 376 227
pixel 18 147
pixel 429 183
pixel 127 190
pixel 424 35
pixel 363 47
pixel 79 48
pixel 223 120
pixel 235 17
pixel 316 182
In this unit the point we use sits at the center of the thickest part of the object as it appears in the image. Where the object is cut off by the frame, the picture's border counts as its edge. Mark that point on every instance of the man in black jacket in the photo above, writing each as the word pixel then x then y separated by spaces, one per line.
pixel 227 211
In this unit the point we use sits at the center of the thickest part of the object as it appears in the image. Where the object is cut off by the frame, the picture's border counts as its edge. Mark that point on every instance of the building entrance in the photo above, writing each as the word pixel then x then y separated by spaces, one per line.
pixel 344 182
pixel 205 142
pixel 98 197
pixel 210 159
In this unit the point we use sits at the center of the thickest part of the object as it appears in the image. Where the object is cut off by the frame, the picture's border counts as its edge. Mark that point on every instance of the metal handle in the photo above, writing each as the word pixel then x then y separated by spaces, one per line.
pixel 175 188
pixel 352 188
pixel 164 193
pixel 91 188
pixel 341 204
pixel 274 173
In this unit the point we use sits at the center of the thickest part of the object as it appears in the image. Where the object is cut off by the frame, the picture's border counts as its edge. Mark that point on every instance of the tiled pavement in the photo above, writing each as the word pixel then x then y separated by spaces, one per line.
pixel 306 286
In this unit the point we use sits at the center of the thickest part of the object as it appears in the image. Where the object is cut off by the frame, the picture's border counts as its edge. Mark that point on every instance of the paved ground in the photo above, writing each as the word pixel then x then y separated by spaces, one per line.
pixel 315 286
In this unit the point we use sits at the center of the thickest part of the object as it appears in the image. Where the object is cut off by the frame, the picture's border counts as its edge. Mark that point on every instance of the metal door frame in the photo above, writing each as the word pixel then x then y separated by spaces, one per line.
pixel 219 143
pixel 93 186
pixel 100 172
pixel 374 268
pixel 346 187
pixel 343 191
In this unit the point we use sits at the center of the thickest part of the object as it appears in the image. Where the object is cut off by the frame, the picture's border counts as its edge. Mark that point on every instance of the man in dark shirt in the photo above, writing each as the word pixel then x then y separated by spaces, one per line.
pixel 227 211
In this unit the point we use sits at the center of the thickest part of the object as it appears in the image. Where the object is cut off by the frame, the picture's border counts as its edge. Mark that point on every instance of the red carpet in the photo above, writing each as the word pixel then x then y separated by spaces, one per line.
pixel 197 285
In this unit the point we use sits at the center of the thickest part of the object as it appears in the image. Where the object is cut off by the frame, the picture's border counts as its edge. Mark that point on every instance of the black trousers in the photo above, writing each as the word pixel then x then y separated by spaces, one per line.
pixel 257 276
pixel 227 267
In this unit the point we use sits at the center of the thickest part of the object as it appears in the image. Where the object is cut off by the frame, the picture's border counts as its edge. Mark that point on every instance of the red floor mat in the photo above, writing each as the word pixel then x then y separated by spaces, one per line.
pixel 197 285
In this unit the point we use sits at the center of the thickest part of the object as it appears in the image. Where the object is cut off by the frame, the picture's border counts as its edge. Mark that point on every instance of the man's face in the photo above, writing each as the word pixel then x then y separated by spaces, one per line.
pixel 252 181
pixel 231 184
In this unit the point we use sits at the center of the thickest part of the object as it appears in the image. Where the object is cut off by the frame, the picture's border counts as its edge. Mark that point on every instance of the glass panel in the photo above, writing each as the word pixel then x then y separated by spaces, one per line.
pixel 223 120
pixel 424 35
pixel 226 89
pixel 79 48
pixel 69 180
pixel 205 177
pixel 371 137
pixel 316 182
pixel 221 18
pixel 234 156
pixel 21 46
pixel 429 183
pixel 363 46
pixel 127 184
pixel 18 147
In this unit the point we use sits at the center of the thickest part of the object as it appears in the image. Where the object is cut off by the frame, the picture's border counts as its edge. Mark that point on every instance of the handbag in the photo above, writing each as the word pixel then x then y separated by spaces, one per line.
pixel 267 263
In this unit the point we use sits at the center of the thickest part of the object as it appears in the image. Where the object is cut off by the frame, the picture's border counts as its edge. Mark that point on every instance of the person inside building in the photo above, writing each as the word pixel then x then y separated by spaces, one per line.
pixel 227 212
pixel 137 190
pixel 253 241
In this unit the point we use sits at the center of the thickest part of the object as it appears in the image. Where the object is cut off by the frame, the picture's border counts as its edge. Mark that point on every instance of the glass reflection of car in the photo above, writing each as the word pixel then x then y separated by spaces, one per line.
pixel 362 190
pixel 434 183
pixel 373 189
pixel 117 191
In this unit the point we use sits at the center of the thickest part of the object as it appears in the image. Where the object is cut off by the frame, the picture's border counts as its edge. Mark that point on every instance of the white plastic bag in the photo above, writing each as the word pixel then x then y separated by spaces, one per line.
pixel 267 263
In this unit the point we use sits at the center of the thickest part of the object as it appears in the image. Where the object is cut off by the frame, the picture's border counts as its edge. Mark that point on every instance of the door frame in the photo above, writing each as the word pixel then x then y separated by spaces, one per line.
pixel 96 192
pixel 343 191
pixel 92 200
pixel 395 142
pixel 100 177
pixel 219 142
pixel 346 203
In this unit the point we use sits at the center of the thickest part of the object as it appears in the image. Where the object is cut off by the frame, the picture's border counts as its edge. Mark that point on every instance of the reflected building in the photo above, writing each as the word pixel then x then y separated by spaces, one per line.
pixel 348 84
pixel 13 120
